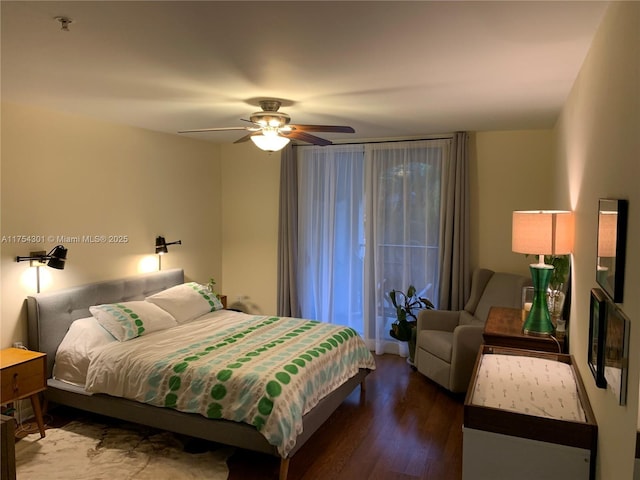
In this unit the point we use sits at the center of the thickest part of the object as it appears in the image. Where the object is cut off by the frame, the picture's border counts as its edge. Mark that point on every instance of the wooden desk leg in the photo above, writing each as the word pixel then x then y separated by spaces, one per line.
pixel 35 404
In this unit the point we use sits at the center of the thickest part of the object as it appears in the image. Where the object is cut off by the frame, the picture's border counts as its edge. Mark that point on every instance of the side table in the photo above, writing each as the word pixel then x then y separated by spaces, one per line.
pixel 22 375
pixel 503 328
pixel 223 300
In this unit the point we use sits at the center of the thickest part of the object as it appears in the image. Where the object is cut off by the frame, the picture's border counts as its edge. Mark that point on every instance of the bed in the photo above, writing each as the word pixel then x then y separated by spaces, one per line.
pixel 527 416
pixel 50 316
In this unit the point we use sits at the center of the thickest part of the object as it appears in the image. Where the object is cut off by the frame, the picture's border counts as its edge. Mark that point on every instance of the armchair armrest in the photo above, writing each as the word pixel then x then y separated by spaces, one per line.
pixel 466 343
pixel 438 320
pixel 468 336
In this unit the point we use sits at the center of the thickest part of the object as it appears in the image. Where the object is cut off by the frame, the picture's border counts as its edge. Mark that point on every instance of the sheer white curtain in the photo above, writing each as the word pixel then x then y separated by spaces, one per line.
pixel 403 226
pixel 331 234
pixel 368 222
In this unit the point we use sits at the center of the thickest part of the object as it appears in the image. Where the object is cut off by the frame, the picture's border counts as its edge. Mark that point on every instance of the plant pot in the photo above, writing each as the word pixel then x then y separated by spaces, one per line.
pixel 405 332
pixel 402 330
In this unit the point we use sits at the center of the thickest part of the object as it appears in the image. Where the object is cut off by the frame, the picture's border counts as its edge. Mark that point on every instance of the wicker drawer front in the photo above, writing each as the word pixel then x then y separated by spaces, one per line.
pixel 22 380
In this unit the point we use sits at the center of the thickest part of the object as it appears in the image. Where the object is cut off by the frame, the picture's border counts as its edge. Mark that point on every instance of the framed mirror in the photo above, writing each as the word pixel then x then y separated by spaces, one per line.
pixel 612 238
pixel 597 324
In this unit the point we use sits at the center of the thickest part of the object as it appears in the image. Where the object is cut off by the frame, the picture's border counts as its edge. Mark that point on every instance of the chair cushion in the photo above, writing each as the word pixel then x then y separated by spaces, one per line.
pixel 436 342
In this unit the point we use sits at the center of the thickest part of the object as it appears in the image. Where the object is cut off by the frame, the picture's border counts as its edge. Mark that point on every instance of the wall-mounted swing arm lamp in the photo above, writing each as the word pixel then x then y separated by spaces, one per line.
pixel 56 258
pixel 161 245
pixel 161 248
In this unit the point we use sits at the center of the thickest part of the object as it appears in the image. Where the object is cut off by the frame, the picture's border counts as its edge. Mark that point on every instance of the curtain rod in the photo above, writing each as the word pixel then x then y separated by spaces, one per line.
pixel 382 141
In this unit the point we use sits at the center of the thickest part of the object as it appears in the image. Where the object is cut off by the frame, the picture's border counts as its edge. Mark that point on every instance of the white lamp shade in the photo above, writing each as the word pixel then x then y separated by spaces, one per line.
pixel 542 232
pixel 269 143
pixel 607 233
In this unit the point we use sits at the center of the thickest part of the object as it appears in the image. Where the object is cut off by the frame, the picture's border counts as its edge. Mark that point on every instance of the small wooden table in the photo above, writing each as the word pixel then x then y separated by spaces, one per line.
pixel 503 328
pixel 22 375
pixel 223 300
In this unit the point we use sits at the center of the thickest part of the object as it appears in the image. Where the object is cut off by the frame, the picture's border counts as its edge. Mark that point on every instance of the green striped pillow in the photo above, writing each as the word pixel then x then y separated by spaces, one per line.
pixel 127 320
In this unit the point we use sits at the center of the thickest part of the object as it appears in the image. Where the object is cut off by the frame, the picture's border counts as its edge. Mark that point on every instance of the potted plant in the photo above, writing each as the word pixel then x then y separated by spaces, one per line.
pixel 407 306
pixel 211 285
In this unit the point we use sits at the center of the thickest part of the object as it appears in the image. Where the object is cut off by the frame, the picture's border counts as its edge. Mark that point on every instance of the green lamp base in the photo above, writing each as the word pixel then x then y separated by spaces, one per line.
pixel 538 321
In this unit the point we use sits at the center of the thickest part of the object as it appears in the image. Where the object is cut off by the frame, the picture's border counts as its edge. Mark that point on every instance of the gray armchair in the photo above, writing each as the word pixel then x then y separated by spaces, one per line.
pixel 447 342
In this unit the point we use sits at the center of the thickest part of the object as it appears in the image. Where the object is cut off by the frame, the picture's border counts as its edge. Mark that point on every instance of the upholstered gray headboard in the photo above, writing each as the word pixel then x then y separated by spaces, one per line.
pixel 49 315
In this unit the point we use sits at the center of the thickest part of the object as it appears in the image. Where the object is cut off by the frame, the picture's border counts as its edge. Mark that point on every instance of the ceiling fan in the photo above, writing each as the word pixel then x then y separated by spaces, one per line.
pixel 270 129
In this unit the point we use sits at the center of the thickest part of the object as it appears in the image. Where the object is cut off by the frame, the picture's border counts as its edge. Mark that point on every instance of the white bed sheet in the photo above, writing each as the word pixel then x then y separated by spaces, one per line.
pixel 528 385
pixel 84 339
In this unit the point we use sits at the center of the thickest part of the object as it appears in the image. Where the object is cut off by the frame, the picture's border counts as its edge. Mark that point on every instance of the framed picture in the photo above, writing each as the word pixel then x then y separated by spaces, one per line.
pixel 597 324
pixel 616 352
pixel 612 239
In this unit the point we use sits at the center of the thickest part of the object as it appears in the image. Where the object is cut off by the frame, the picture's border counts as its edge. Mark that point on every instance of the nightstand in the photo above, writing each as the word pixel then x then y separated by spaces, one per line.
pixel 223 300
pixel 22 375
pixel 503 328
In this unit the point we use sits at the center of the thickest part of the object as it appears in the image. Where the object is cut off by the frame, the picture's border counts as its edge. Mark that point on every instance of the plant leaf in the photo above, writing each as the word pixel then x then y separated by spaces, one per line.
pixel 427 303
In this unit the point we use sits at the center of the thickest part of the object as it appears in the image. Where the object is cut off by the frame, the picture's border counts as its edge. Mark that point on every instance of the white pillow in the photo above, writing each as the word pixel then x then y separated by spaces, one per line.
pixel 82 341
pixel 127 320
pixel 186 301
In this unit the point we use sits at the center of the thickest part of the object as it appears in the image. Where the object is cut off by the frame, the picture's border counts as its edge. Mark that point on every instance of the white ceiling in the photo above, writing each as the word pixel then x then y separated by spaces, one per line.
pixel 388 69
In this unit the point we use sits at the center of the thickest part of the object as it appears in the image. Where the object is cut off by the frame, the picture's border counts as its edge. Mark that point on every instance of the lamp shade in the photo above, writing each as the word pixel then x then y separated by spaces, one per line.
pixel 607 233
pixel 269 143
pixel 542 232
pixel 161 246
pixel 58 257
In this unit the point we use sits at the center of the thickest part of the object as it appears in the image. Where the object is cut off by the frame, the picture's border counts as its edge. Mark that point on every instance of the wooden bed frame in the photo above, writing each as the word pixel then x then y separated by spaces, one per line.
pixel 49 318
pixel 580 435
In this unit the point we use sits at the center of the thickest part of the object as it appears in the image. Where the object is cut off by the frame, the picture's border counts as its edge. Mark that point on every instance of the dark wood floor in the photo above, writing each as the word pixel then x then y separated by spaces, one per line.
pixel 405 428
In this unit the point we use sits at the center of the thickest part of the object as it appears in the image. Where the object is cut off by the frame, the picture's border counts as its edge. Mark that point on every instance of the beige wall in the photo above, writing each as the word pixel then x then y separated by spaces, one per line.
pixel 509 170
pixel 250 225
pixel 64 175
pixel 598 153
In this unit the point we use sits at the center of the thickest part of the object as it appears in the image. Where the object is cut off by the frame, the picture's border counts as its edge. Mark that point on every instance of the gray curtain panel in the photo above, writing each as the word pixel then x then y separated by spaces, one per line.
pixel 454 235
pixel 287 234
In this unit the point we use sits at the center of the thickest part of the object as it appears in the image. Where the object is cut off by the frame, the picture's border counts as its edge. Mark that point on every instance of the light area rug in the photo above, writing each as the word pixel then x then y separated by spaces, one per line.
pixel 95 451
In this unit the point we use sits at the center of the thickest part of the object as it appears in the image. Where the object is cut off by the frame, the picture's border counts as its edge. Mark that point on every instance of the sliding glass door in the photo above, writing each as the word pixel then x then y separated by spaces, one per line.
pixel 368 222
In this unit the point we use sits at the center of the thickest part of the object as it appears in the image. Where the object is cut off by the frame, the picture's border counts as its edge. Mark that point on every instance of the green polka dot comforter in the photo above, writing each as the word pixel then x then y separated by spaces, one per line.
pixel 261 370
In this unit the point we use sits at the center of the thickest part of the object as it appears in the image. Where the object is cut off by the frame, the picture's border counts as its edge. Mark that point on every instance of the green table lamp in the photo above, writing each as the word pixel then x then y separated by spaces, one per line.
pixel 541 232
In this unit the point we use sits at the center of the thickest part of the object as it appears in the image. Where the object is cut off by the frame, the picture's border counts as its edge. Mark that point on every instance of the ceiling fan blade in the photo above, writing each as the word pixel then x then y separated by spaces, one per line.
pixel 323 128
pixel 306 137
pixel 219 129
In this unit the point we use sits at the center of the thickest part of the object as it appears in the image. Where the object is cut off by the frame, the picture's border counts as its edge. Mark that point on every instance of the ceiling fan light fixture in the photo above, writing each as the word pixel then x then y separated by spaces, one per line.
pixel 270 142
pixel 271 131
